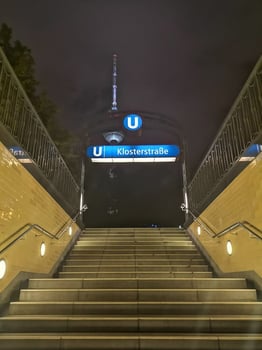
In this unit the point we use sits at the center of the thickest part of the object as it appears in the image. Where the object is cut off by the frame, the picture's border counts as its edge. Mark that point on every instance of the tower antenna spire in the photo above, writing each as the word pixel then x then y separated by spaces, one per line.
pixel 114 84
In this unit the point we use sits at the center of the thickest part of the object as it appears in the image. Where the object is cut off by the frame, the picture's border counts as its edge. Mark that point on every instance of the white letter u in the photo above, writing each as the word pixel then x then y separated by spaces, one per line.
pixel 135 123
pixel 99 152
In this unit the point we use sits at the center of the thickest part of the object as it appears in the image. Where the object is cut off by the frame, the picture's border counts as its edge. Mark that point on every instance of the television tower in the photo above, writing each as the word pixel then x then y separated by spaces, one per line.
pixel 114 86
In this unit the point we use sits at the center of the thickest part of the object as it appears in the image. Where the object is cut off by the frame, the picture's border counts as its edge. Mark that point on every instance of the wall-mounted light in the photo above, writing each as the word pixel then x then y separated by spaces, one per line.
pixel 113 136
pixel 2 268
pixel 229 248
pixel 198 230
pixel 42 249
pixel 70 231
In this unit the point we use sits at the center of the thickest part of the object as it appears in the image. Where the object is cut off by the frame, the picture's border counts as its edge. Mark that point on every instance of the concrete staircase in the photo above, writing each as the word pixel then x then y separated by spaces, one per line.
pixel 134 289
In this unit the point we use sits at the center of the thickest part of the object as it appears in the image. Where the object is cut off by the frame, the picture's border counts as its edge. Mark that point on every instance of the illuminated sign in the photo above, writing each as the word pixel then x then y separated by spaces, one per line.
pixel 250 153
pixel 133 122
pixel 133 153
pixel 20 154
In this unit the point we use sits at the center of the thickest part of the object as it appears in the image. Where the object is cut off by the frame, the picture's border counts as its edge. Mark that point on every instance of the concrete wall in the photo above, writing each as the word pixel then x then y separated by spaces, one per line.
pixel 24 201
pixel 240 201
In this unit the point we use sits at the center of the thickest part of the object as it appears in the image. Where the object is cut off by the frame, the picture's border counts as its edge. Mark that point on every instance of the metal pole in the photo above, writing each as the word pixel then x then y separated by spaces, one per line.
pixel 184 176
pixel 82 188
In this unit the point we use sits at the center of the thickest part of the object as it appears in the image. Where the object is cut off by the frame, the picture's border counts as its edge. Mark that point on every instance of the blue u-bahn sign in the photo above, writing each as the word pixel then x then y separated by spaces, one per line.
pixel 133 153
pixel 132 122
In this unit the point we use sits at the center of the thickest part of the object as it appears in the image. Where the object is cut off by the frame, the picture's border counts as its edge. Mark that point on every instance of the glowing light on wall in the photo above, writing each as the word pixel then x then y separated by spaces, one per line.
pixel 42 249
pixel 229 248
pixel 198 230
pixel 2 268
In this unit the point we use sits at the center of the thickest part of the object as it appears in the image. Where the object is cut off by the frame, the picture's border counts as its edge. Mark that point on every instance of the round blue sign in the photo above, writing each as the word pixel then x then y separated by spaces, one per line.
pixel 133 122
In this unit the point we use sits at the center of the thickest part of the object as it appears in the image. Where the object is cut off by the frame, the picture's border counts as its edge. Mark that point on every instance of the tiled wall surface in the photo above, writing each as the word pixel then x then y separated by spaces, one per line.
pixel 240 201
pixel 24 201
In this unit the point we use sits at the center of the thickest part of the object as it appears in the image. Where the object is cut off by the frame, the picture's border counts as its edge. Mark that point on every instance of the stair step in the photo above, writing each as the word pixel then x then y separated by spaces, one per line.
pixel 138 295
pixel 236 324
pixel 140 283
pixel 134 245
pixel 138 235
pixel 87 246
pixel 137 268
pixel 133 308
pixel 73 261
pixel 144 240
pixel 145 233
pixel 135 238
pixel 148 274
pixel 121 256
pixel 127 341
pixel 130 236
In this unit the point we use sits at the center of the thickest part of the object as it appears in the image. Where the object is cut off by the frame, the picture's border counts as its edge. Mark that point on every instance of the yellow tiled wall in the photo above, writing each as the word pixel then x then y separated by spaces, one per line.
pixel 240 201
pixel 24 201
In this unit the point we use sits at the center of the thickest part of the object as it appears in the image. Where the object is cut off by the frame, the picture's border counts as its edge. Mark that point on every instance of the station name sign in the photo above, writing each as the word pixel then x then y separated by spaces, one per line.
pixel 133 153
pixel 20 154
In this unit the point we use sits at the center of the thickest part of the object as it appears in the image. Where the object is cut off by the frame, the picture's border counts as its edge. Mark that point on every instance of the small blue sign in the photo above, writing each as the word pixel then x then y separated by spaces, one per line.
pixel 20 154
pixel 252 151
pixel 133 151
pixel 133 122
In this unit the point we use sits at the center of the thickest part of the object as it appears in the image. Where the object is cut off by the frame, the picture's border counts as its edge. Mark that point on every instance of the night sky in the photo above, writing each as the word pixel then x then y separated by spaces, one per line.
pixel 185 59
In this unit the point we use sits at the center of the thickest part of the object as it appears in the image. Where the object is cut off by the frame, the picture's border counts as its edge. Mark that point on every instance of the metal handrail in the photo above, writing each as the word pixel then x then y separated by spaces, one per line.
pixel 241 128
pixel 39 228
pixel 19 117
pixel 213 234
